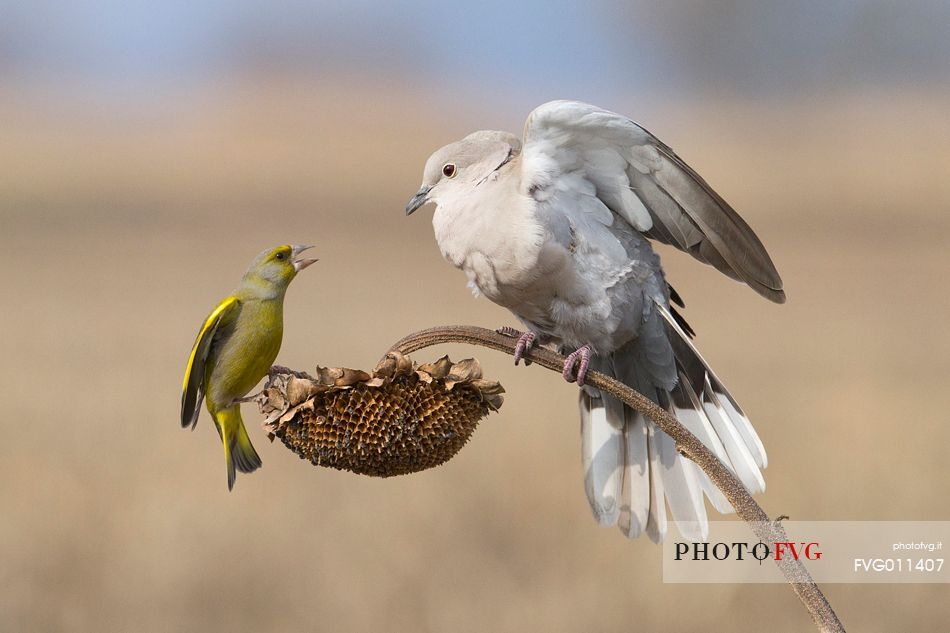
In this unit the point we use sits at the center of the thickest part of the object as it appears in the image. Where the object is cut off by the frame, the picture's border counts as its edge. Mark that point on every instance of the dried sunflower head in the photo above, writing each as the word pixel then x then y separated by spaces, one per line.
pixel 399 420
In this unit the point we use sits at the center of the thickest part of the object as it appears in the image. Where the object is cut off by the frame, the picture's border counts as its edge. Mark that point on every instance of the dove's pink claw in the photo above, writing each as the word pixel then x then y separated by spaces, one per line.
pixel 525 343
pixel 580 357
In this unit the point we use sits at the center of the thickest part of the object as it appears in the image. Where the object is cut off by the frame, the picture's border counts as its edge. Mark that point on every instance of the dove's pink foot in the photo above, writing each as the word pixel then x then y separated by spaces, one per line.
pixel 581 358
pixel 525 342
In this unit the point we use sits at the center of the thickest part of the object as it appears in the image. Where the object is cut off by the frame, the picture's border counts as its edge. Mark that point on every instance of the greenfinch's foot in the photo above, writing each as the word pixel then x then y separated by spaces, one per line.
pixel 251 398
pixel 278 369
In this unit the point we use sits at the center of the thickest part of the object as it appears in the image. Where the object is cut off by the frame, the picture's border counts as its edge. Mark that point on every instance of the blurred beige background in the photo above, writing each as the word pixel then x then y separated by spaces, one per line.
pixel 135 190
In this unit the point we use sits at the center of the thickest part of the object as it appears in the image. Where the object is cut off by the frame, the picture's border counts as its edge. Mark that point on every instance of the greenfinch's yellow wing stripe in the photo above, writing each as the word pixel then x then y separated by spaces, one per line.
pixel 192 390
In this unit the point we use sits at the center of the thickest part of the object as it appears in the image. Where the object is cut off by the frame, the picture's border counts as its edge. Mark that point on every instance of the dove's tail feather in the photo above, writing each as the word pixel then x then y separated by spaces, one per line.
pixel 602 446
pixel 632 468
pixel 700 391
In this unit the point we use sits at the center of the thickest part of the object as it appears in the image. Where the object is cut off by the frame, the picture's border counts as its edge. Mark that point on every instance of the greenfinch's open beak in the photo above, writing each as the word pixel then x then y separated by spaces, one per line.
pixel 300 264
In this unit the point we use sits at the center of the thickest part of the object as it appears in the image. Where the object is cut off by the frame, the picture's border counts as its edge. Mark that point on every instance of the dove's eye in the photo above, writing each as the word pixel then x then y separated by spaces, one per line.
pixel 448 170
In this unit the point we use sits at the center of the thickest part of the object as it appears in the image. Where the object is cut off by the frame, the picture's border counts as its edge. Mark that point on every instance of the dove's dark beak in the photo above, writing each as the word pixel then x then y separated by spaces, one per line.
pixel 421 197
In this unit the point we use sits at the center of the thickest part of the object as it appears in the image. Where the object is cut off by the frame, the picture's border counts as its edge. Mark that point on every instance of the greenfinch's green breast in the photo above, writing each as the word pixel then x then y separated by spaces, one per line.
pixel 247 351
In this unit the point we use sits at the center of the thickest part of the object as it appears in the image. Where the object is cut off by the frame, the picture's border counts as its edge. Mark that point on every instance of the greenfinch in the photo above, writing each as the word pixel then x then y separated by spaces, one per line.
pixel 235 348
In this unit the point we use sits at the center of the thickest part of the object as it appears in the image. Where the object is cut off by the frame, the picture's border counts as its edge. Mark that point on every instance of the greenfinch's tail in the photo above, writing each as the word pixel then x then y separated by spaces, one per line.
pixel 239 453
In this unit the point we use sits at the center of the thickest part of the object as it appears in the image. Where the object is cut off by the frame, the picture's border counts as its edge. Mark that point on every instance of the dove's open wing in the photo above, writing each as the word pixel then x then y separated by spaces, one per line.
pixel 193 387
pixel 646 183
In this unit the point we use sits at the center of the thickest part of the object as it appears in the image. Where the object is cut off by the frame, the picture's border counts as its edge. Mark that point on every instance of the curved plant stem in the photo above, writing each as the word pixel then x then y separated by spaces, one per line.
pixel 687 443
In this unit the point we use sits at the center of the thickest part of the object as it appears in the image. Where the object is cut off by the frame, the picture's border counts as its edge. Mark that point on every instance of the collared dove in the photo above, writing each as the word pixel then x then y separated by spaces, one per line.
pixel 557 230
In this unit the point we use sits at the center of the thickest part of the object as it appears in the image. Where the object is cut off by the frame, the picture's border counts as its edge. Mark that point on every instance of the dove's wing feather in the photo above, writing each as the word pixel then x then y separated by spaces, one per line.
pixel 645 182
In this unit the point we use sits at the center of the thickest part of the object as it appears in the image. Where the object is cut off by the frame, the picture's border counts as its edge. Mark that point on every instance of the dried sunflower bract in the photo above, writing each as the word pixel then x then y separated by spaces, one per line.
pixel 399 420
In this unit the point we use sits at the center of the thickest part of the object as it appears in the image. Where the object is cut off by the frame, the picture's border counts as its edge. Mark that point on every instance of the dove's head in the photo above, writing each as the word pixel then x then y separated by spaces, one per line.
pixel 459 167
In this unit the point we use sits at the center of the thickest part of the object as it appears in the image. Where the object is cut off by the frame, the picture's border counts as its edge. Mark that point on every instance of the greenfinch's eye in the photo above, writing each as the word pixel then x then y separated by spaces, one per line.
pixel 281 256
pixel 448 170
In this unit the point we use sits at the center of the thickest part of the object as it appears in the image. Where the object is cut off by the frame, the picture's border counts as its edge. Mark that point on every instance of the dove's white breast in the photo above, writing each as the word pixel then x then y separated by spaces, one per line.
pixel 493 235
pixel 560 279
